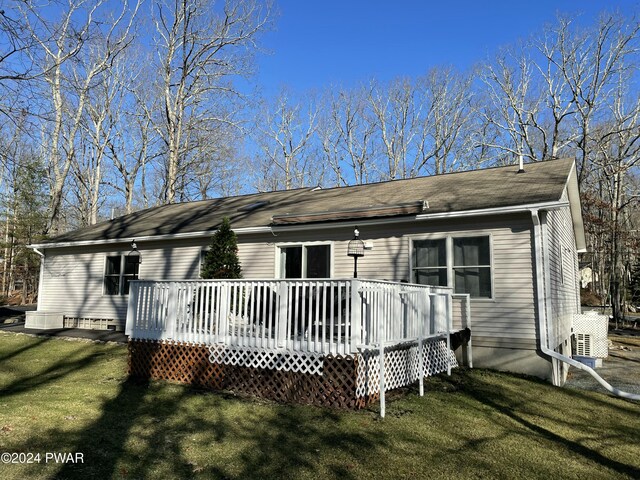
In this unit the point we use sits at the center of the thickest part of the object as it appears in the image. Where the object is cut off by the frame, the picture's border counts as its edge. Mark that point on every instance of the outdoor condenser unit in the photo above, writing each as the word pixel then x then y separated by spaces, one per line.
pixel 584 344
pixel 592 343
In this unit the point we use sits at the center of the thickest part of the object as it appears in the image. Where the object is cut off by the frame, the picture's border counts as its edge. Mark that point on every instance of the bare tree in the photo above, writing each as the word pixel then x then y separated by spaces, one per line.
pixel 398 120
pixel 98 127
pixel 424 126
pixel 589 61
pixel 616 157
pixel 199 49
pixel 132 145
pixel 22 212
pixel 285 133
pixel 445 134
pixel 589 73
pixel 16 69
pixel 347 132
pixel 59 44
pixel 516 103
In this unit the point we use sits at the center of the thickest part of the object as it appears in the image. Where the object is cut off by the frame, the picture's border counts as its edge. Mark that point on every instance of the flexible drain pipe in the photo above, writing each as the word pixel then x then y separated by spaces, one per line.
pixel 542 323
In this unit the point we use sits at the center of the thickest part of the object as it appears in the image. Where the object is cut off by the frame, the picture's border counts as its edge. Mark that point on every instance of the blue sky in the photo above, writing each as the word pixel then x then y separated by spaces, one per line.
pixel 319 43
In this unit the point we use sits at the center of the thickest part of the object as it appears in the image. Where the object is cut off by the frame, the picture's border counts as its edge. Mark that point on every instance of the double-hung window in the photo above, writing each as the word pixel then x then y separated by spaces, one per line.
pixel 119 271
pixel 463 263
pixel 305 261
pixel 430 262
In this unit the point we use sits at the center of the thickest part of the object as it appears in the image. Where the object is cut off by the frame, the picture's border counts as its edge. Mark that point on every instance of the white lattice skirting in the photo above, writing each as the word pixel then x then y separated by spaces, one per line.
pixel 402 365
pixel 591 332
pixel 269 359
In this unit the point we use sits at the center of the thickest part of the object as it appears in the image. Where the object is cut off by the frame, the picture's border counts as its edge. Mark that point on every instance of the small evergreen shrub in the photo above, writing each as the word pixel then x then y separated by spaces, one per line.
pixel 221 260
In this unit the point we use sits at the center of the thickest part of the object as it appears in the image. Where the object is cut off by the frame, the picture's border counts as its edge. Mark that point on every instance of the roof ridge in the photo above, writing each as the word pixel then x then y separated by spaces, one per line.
pixel 455 191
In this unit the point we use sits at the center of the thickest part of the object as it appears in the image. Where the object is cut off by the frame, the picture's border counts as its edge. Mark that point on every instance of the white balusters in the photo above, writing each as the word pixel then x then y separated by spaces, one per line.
pixel 327 316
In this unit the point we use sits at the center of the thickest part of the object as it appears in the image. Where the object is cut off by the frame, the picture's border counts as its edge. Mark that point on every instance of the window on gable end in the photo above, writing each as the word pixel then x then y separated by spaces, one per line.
pixel 119 271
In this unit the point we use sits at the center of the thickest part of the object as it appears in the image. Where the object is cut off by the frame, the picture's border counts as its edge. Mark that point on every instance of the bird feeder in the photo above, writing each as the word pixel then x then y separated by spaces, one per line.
pixel 355 249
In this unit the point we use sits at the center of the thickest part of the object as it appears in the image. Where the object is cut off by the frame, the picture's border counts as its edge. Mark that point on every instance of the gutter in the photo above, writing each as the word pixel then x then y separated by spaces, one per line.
pixel 147 238
pixel 495 211
pixel 41 276
pixel 275 229
pixel 542 316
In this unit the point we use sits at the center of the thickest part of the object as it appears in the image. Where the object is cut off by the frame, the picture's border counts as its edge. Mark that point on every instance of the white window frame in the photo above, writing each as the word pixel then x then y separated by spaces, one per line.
pixel 121 275
pixel 449 237
pixel 280 246
pixel 202 254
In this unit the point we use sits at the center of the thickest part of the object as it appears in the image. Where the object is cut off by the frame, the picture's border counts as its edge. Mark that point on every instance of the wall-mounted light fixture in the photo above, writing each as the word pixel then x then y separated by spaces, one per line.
pixel 355 249
pixel 134 254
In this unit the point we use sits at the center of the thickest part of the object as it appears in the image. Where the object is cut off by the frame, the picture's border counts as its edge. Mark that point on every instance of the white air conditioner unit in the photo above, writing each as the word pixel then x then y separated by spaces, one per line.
pixel 584 344
pixel 592 343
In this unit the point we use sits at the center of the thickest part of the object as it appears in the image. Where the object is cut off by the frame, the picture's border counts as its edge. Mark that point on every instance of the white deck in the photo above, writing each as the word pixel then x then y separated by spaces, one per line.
pixel 331 316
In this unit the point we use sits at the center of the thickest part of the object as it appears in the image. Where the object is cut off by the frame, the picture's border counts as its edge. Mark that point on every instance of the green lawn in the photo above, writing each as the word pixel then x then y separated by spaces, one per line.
pixel 71 396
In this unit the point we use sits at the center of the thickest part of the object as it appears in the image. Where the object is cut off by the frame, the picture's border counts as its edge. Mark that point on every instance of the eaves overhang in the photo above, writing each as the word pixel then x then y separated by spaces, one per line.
pixel 494 211
pixel 145 238
pixel 312 226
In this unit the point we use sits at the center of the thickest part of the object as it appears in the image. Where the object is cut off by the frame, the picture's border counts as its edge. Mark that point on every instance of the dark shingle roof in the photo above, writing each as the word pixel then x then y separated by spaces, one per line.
pixel 471 190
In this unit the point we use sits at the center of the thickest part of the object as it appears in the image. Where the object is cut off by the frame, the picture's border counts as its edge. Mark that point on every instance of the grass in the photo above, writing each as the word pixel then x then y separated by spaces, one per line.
pixel 64 396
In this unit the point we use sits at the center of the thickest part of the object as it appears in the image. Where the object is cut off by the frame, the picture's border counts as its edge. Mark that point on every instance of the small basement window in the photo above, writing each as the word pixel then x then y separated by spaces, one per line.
pixel 119 271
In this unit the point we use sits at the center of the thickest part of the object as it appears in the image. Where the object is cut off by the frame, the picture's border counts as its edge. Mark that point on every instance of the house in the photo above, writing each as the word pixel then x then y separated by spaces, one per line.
pixel 508 239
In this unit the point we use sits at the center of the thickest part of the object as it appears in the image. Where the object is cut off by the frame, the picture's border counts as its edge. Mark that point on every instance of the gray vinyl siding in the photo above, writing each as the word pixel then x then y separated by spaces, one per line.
pixel 509 316
pixel 73 285
pixel 562 282
pixel 73 277
pixel 506 320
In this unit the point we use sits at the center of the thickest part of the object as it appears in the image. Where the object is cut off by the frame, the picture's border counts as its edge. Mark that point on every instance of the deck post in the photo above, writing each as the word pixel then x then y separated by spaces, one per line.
pixel 356 317
pixel 467 324
pixel 449 320
pixel 424 303
pixel 223 313
pixel 421 364
pixel 383 406
pixel 434 320
pixel 132 309
pixel 172 311
pixel 283 301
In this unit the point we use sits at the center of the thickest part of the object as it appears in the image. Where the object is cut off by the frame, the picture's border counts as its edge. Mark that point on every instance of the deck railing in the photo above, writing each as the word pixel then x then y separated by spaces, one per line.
pixel 329 316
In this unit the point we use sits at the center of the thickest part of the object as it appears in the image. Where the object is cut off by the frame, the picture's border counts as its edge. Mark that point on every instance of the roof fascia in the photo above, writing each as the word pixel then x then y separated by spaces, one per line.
pixel 426 216
pixel 315 226
pixel 493 211
pixel 146 238
pixel 573 192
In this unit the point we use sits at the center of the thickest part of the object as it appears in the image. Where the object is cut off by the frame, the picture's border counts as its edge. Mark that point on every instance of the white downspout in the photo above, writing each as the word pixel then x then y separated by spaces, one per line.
pixel 41 280
pixel 542 316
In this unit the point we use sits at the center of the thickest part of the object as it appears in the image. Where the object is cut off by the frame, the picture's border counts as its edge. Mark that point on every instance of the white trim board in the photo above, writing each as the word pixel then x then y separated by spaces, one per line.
pixel 320 226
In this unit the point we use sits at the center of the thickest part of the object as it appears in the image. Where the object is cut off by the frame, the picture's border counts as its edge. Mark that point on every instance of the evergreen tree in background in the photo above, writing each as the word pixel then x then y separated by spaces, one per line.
pixel 221 260
pixel 23 218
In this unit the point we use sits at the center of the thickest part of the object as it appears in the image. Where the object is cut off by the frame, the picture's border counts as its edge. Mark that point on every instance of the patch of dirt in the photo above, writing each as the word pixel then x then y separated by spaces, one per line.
pixel 621 369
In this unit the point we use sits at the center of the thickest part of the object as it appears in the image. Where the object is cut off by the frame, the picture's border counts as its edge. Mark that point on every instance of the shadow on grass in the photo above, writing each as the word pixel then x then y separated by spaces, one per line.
pixel 299 439
pixel 26 348
pixel 74 362
pixel 105 442
pixel 135 429
pixel 157 429
pixel 517 408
